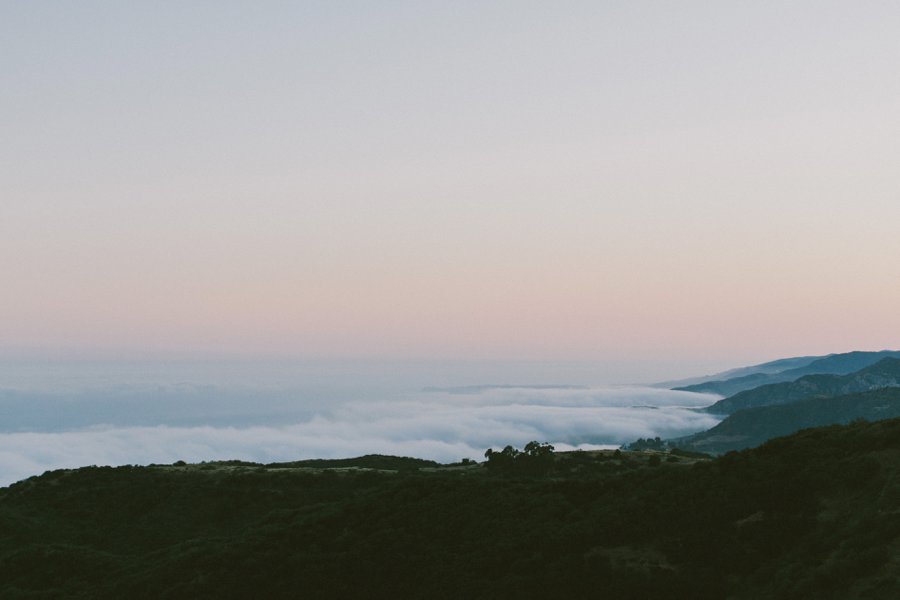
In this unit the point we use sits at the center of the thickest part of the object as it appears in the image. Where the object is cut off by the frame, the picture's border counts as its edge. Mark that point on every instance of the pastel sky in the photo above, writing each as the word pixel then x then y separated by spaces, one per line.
pixel 707 182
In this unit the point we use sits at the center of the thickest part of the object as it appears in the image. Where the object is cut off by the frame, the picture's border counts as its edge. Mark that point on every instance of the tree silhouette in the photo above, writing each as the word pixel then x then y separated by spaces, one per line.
pixel 535 459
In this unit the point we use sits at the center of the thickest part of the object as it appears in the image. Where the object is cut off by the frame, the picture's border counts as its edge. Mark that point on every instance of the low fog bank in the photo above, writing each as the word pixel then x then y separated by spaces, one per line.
pixel 139 420
pixel 440 426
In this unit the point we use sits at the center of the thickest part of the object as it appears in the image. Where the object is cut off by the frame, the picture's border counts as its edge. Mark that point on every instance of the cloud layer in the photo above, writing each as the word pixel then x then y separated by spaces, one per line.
pixel 437 425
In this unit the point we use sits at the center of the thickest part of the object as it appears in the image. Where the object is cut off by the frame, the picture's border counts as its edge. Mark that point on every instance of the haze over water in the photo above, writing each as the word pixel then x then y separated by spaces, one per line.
pixel 69 414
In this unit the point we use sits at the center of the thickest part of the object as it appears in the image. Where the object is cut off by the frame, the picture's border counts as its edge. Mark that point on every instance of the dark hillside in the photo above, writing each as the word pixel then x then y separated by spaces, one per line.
pixel 814 515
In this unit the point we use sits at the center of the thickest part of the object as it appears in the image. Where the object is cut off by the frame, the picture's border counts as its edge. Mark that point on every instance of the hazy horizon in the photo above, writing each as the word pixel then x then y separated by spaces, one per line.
pixel 469 371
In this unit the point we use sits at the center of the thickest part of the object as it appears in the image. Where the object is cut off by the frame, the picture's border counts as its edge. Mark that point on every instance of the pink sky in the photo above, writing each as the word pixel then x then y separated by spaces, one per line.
pixel 710 184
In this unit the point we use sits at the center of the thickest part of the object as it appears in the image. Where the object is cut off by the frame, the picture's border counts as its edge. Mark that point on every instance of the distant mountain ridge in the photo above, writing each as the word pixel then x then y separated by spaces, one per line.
pixel 791 369
pixel 884 373
pixel 754 426
pixel 773 366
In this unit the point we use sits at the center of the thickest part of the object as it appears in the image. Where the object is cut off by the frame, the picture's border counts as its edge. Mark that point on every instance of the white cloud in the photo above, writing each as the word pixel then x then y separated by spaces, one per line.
pixel 437 425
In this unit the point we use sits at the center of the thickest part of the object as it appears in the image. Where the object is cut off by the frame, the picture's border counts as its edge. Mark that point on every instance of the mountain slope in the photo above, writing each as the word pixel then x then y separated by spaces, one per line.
pixel 842 364
pixel 753 426
pixel 774 366
pixel 885 373
pixel 833 364
pixel 813 515
pixel 730 387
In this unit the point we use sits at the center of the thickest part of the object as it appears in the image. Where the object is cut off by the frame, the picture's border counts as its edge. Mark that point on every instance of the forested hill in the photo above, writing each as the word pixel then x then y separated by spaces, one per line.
pixel 885 373
pixel 813 515
pixel 753 426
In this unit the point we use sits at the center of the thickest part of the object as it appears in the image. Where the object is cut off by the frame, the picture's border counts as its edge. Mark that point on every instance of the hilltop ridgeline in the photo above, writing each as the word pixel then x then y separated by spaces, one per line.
pixel 785 370
pixel 773 366
pixel 884 373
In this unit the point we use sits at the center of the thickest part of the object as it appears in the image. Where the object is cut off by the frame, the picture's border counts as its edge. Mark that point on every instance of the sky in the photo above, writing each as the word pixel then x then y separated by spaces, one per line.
pixel 678 187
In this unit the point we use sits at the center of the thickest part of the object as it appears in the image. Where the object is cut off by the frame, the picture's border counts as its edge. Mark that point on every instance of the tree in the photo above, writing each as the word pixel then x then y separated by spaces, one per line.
pixel 536 458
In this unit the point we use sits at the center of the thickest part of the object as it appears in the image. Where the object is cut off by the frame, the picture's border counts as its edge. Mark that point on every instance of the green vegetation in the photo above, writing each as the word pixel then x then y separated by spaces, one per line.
pixel 813 515
pixel 762 413
pixel 369 461
pixel 648 444
pixel 885 373
pixel 535 459
pixel 753 426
